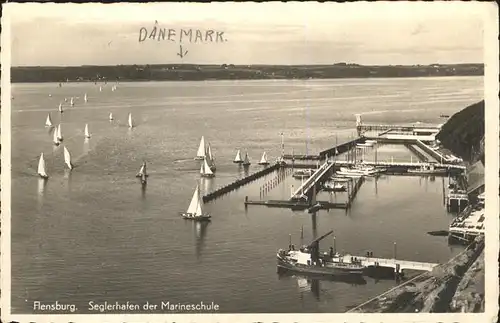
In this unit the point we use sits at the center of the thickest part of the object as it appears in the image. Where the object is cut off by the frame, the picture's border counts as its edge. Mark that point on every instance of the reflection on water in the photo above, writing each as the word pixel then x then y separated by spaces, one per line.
pixel 41 190
pixel 143 190
pixel 67 176
pixel 207 184
pixel 200 232
pixel 86 146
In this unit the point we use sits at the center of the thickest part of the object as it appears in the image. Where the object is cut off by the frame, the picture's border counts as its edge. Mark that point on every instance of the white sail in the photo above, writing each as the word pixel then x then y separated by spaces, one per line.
pixel 60 108
pixel 130 123
pixel 100 88
pixel 59 133
pixel 195 207
pixel 87 133
pixel 206 168
pixel 71 101
pixel 202 169
pixel 110 116
pixel 263 160
pixel 209 153
pixel 247 160
pixel 41 167
pixel 85 97
pixel 142 170
pixel 201 149
pixel 56 139
pixel 48 122
pixel 237 159
pixel 67 158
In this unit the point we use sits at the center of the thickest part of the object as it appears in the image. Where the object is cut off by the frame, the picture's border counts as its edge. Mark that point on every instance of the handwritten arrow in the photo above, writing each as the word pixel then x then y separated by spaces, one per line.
pixel 181 54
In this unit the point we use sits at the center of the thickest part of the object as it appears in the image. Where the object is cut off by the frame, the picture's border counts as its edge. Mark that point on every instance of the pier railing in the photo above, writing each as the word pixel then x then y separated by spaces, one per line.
pixel 311 181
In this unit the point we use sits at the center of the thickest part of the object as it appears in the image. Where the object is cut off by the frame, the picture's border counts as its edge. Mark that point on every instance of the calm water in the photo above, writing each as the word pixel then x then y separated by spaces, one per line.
pixel 95 235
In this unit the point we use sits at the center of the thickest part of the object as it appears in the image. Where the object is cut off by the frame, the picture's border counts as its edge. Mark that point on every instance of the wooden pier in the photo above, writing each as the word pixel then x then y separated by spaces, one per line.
pixel 318 176
pixel 238 183
pixel 435 154
pixel 340 149
pixel 363 127
pixel 397 264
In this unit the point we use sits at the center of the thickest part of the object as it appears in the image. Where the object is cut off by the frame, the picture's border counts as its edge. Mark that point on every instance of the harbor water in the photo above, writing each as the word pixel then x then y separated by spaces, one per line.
pixel 94 234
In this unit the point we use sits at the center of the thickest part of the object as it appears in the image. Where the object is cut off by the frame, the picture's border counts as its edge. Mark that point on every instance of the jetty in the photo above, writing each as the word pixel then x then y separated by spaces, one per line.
pixel 239 183
pixel 307 187
pixel 397 264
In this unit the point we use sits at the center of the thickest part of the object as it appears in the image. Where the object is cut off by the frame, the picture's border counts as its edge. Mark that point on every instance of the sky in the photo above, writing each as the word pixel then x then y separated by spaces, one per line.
pixel 266 33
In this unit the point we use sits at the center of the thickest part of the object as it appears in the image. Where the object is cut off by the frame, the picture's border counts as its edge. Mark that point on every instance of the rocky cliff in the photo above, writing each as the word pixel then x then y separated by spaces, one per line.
pixel 463 133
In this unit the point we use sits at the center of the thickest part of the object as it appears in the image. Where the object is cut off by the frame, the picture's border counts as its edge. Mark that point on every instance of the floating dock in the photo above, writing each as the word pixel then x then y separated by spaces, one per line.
pixel 237 184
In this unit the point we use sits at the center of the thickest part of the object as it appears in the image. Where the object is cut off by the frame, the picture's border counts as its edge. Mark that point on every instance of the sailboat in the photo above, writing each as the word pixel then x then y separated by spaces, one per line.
pixel 238 159
pixel 201 149
pixel 195 209
pixel 48 122
pixel 72 102
pixel 100 88
pixel 41 168
pixel 56 139
pixel 60 108
pixel 142 174
pixel 246 162
pixel 87 133
pixel 263 160
pixel 205 170
pixel 85 97
pixel 130 123
pixel 59 134
pixel 110 116
pixel 210 158
pixel 67 158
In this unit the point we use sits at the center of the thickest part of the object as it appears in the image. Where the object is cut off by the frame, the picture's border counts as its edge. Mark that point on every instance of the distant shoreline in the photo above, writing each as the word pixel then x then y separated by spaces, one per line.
pixel 193 72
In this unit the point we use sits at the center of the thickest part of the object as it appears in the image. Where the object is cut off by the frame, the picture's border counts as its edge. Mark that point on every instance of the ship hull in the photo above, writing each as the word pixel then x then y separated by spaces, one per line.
pixel 196 218
pixel 316 270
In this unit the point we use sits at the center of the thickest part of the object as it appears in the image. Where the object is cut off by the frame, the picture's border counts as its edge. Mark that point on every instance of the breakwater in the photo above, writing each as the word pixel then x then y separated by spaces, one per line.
pixel 340 149
pixel 238 183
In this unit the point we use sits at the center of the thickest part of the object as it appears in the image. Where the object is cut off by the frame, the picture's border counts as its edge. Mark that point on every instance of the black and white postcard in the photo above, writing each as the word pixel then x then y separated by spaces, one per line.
pixel 250 162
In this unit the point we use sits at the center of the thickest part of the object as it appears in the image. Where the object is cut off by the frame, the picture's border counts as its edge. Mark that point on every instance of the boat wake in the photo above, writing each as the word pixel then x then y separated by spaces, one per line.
pixel 178 161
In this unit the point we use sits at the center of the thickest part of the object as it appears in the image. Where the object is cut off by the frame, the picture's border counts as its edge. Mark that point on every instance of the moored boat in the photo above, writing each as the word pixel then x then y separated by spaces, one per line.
pixel 334 187
pixel 195 209
pixel 308 260
pixel 303 173
pixel 427 169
